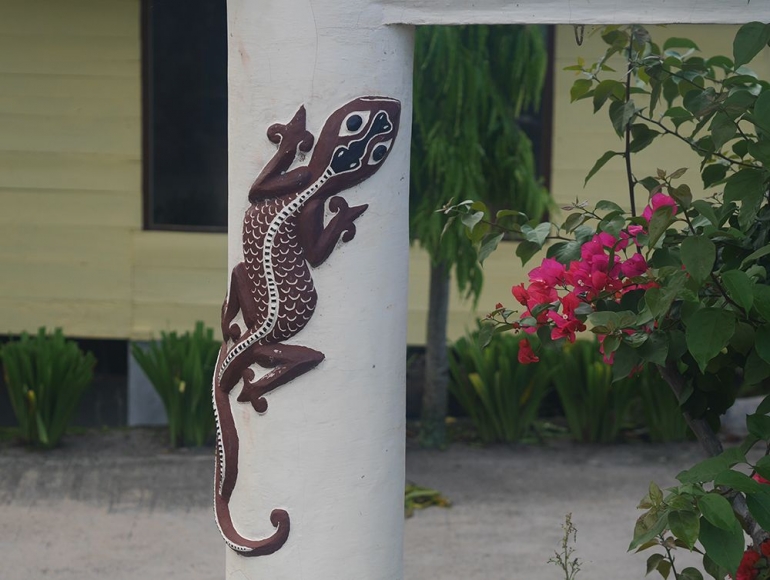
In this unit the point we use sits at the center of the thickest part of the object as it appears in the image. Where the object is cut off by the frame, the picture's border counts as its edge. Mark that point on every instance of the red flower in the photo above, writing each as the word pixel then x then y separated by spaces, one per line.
pixel 759 478
pixel 565 327
pixel 550 272
pixel 636 265
pixel 765 547
pixel 659 200
pixel 526 354
pixel 746 569
pixel 520 294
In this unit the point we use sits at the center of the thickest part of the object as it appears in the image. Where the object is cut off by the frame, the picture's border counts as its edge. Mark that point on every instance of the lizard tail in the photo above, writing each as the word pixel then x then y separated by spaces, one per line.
pixel 226 474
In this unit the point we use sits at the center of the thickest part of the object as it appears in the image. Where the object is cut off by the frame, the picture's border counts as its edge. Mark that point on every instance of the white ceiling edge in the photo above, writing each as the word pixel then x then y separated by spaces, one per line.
pixel 420 12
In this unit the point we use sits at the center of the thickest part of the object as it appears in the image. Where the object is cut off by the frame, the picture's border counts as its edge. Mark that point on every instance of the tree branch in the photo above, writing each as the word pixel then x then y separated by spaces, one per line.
pixel 713 447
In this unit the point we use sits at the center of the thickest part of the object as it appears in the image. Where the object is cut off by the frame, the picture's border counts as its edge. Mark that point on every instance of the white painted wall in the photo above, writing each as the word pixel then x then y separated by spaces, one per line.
pixel 330 449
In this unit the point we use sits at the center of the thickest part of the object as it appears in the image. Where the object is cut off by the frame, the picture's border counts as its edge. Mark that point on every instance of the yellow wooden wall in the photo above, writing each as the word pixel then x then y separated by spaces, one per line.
pixel 72 249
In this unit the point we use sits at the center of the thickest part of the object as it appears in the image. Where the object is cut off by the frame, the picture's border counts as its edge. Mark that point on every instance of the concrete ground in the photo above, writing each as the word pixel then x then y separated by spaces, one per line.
pixel 118 505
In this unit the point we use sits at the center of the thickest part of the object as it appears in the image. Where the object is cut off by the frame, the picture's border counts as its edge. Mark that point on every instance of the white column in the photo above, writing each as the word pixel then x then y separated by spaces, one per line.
pixel 330 447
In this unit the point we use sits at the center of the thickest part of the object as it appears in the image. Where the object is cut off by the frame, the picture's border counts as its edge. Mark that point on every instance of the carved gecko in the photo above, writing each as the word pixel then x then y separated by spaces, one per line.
pixel 272 289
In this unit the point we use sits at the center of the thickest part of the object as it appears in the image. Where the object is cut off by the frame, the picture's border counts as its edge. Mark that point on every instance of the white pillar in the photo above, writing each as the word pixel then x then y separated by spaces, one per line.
pixel 329 449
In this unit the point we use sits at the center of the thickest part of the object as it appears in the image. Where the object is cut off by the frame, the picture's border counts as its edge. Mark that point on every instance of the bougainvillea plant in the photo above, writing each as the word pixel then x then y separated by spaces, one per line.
pixel 672 280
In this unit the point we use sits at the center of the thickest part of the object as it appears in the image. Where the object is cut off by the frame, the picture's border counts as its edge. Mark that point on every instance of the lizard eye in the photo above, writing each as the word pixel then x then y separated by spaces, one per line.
pixel 354 123
pixel 379 152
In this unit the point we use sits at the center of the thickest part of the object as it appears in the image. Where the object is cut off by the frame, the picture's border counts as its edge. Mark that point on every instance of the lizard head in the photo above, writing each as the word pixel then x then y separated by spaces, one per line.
pixel 355 141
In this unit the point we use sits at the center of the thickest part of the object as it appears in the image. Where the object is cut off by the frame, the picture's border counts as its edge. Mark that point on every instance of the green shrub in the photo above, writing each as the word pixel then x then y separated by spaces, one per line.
pixel 595 408
pixel 501 396
pixel 180 368
pixel 46 376
pixel 660 410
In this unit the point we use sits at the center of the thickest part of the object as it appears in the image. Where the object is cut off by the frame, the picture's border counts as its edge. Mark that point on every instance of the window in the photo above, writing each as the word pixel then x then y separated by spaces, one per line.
pixel 185 114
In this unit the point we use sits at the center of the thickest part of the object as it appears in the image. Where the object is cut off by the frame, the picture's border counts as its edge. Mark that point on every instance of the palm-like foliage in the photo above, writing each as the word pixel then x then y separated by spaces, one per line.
pixel 471 83
pixel 46 376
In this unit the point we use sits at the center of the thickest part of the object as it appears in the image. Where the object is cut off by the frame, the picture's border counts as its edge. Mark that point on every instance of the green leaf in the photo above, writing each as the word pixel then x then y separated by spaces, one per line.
pixel 653 561
pixel 762 344
pixel 470 220
pixel 762 467
pixel 661 219
pixel 706 210
pixel 756 370
pixel 625 361
pixel 759 507
pixel 739 287
pixel 712 174
pixel 759 426
pixel 745 185
pixel 685 525
pixel 579 88
pixel 601 162
pixel 761 116
pixel 725 547
pixel 763 251
pixel 603 91
pixel 698 255
pixel 648 526
pixel 655 348
pixel 704 471
pixel 749 40
pixel 489 246
pixel 722 129
pixel 690 573
pixel 737 481
pixel 641 137
pixel 708 332
pixel 621 114
pixel 525 250
pixel 717 510
pixel 762 300
pixel 565 252
pixel 682 194
pixel 713 569
pixel 675 42
pixel 605 205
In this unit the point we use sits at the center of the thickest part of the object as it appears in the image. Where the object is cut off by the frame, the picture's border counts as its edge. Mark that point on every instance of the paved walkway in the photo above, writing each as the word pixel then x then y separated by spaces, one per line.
pixel 118 506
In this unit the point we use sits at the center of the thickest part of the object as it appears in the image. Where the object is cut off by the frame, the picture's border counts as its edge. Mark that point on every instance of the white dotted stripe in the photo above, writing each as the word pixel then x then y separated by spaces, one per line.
pixel 267 263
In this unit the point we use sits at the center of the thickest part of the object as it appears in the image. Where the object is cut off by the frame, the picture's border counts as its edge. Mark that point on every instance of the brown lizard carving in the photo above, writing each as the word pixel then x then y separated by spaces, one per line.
pixel 272 290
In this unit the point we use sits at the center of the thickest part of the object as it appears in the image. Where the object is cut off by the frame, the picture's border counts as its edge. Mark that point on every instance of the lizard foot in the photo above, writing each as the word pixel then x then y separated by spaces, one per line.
pixel 342 223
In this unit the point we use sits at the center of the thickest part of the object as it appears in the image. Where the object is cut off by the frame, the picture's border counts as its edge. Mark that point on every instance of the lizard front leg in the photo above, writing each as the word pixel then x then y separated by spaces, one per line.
pixel 318 241
pixel 292 139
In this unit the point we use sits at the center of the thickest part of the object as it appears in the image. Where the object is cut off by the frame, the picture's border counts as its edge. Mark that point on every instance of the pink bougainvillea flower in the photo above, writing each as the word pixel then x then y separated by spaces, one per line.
pixel 565 327
pixel 526 354
pixel 550 272
pixel 759 478
pixel 747 569
pixel 520 294
pixel 636 265
pixel 568 304
pixel 659 200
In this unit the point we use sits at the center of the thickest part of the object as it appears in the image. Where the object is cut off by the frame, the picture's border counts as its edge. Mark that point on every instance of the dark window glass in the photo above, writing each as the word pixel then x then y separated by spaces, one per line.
pixel 185 114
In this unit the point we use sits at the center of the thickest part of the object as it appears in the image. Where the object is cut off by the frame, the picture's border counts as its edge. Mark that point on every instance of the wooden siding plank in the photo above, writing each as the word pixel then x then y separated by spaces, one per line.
pixel 68 86
pixel 113 135
pixel 182 250
pixel 180 285
pixel 65 281
pixel 111 56
pixel 41 246
pixel 104 18
pixel 151 318
pixel 78 171
pixel 78 318
pixel 63 208
pixel 124 105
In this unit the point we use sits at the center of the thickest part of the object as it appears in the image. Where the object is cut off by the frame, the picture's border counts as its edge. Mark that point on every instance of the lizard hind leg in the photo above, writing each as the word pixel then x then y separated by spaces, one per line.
pixel 285 361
